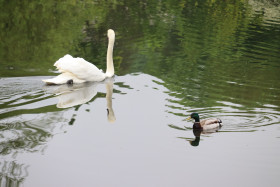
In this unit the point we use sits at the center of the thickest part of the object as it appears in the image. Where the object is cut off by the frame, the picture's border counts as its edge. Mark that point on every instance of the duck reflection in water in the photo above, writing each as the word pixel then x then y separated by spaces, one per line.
pixel 70 95
pixel 198 132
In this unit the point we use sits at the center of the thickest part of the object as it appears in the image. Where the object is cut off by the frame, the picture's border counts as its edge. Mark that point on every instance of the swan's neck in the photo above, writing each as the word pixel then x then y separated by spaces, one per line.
pixel 110 66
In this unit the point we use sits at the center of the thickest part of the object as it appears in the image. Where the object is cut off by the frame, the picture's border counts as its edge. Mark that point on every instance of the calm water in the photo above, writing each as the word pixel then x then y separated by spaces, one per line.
pixel 220 59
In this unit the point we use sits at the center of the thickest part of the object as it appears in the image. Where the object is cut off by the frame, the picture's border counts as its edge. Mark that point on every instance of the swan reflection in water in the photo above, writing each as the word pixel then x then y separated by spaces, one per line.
pixel 77 94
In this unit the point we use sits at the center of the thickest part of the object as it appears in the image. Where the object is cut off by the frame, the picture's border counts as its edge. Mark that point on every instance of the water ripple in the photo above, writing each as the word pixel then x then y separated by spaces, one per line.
pixel 236 118
pixel 26 115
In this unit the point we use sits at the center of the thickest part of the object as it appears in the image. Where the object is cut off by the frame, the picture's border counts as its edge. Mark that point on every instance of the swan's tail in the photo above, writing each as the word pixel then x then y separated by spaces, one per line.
pixel 54 81
pixel 49 82
pixel 64 78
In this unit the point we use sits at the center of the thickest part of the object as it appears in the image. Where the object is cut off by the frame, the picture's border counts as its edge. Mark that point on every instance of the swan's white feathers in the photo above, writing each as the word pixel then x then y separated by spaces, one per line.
pixel 80 68
pixel 63 78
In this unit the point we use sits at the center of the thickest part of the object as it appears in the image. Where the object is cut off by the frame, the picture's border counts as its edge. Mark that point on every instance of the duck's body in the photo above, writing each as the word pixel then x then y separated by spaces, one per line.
pixel 205 124
pixel 78 70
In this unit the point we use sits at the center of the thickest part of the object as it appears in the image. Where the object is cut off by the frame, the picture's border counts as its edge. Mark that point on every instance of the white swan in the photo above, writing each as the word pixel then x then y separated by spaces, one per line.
pixel 78 70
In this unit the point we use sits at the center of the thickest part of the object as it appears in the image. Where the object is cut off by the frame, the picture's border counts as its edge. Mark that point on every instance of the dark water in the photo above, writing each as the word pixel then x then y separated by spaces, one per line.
pixel 218 58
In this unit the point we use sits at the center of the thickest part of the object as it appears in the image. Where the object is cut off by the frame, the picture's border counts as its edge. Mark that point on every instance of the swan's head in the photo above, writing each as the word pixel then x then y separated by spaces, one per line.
pixel 111 34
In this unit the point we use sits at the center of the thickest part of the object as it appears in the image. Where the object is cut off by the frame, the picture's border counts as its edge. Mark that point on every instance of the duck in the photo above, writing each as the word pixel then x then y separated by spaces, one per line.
pixel 205 124
pixel 77 70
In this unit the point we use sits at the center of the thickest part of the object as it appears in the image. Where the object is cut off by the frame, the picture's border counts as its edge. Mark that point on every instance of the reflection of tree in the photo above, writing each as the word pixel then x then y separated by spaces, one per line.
pixel 12 174
pixel 23 33
pixel 28 116
pixel 200 38
pixel 18 137
pixel 79 26
pixel 182 42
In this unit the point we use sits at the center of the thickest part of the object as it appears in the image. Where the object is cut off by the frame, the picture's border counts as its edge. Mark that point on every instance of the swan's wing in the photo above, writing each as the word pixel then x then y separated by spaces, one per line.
pixel 63 78
pixel 80 68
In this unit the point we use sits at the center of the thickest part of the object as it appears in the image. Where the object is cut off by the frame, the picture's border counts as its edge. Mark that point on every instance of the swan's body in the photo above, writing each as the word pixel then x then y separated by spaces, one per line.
pixel 205 124
pixel 78 70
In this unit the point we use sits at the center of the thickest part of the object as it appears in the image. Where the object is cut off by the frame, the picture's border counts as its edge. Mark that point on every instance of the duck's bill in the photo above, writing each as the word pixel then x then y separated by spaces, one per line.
pixel 187 118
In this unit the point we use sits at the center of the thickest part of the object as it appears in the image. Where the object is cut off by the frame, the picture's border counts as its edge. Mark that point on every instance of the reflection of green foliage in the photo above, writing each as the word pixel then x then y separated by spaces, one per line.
pixel 34 34
pixel 12 173
pixel 196 47
pixel 27 138
pixel 208 50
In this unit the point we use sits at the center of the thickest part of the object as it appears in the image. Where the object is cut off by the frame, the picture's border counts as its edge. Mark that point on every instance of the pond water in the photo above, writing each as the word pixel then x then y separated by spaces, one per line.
pixel 220 59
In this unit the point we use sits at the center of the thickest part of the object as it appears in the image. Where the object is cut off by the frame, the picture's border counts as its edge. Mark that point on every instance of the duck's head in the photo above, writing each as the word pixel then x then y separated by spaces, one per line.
pixel 195 116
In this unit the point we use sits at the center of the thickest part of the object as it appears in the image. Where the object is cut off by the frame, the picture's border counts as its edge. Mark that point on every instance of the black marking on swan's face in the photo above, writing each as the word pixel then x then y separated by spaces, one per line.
pixel 70 82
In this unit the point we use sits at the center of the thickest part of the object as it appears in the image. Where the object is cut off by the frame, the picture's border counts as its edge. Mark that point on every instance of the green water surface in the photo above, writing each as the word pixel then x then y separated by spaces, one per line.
pixel 172 58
